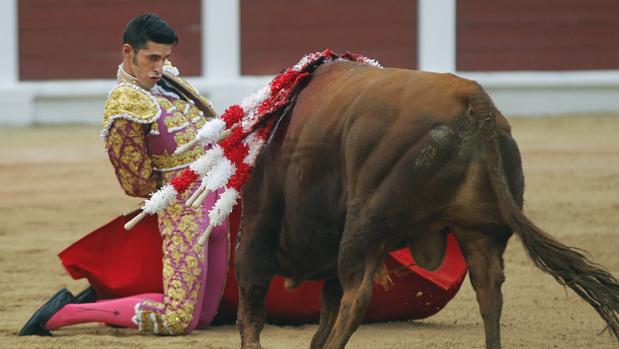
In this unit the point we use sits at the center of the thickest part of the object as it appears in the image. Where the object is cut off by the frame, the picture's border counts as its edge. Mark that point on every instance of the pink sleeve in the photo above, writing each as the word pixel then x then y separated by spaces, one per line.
pixel 126 147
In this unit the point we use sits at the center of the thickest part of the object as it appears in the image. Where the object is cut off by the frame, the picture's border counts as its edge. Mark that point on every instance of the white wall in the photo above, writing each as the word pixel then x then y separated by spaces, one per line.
pixel 16 101
pixel 515 93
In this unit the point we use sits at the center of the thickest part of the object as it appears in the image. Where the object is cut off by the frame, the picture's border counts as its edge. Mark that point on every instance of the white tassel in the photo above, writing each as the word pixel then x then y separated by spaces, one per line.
pixel 205 163
pixel 372 62
pixel 212 132
pixel 254 144
pixel 137 317
pixel 160 199
pixel 223 206
pixel 208 134
pixel 251 102
pixel 222 209
pixel 305 60
pixel 219 175
pixel 211 129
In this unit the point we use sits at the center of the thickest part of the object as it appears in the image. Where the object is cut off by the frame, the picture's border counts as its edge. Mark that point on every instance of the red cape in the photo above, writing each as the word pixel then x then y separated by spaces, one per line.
pixel 118 263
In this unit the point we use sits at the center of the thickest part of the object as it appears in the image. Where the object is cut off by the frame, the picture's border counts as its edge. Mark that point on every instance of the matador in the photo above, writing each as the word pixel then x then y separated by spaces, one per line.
pixel 146 117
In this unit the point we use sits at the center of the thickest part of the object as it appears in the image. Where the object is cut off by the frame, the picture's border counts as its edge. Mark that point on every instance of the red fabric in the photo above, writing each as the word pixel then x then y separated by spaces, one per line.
pixel 120 263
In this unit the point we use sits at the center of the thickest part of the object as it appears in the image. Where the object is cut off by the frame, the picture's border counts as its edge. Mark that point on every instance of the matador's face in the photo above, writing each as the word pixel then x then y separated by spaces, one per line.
pixel 146 65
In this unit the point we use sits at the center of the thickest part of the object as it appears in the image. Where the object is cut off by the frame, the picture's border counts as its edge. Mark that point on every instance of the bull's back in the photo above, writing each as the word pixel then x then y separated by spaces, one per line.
pixel 359 120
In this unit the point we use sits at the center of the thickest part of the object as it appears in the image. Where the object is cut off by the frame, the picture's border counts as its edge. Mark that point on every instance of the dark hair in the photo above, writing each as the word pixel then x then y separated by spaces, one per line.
pixel 147 27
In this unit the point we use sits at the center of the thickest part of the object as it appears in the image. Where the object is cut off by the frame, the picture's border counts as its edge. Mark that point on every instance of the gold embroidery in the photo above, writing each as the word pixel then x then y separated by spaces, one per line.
pixel 192 263
pixel 130 103
pixel 175 210
pixel 154 128
pixel 153 304
pixel 184 136
pixel 181 283
pixel 176 240
pixel 165 104
pixel 147 325
pixel 182 106
pixel 200 123
pixel 192 113
pixel 189 226
pixel 196 249
pixel 115 141
pixel 125 143
pixel 167 269
pixel 166 161
pixel 175 122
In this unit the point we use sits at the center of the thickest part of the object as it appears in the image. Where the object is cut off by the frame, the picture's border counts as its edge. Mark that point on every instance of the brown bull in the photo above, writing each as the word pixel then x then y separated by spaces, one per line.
pixel 372 160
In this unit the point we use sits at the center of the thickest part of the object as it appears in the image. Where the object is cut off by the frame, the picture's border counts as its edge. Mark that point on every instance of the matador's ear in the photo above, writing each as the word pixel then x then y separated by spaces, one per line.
pixel 128 51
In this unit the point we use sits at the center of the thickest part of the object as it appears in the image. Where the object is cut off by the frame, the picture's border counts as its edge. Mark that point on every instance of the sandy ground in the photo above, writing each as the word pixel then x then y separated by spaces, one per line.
pixel 57 185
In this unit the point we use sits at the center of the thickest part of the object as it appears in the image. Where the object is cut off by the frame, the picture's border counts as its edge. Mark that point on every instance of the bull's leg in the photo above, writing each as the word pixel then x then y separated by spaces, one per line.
pixel 484 257
pixel 254 270
pixel 358 262
pixel 330 299
pixel 251 313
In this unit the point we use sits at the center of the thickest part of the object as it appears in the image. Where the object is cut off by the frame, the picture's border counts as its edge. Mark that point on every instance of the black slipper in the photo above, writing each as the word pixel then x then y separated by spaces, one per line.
pixel 36 324
pixel 89 295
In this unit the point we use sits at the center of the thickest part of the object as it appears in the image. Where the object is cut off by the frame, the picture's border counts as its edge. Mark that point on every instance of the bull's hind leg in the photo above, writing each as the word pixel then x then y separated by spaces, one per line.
pixel 330 303
pixel 484 256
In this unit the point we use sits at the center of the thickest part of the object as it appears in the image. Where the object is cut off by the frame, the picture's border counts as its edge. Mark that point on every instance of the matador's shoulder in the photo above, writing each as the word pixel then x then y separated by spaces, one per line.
pixel 130 102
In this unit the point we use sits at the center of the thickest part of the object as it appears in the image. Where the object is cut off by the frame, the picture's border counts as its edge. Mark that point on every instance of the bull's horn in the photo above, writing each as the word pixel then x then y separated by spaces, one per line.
pixel 135 220
pixel 194 196
pixel 206 234
pixel 183 148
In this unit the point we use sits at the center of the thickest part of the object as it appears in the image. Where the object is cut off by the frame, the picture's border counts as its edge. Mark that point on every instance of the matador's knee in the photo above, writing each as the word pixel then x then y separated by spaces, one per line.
pixel 164 322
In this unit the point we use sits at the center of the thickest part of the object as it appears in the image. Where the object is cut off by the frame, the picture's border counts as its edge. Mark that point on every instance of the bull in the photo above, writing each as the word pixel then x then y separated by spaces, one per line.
pixel 371 160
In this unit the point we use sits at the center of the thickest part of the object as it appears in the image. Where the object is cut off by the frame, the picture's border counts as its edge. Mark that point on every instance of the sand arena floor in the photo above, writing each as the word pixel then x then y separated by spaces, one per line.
pixel 57 185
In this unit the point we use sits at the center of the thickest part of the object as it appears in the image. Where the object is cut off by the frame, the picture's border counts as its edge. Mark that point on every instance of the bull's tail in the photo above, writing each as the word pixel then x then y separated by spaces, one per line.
pixel 567 265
